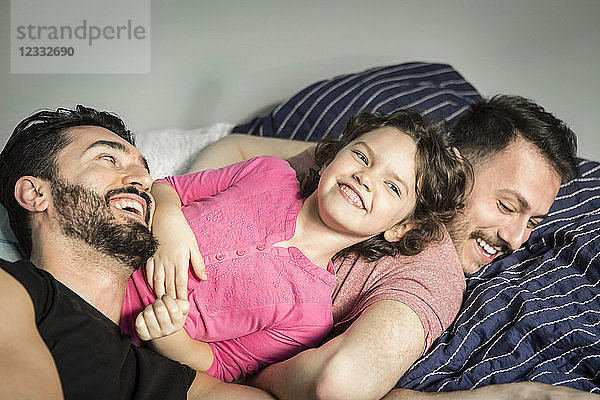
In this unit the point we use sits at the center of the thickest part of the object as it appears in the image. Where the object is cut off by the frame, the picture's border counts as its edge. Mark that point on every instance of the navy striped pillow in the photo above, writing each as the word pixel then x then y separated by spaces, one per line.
pixel 322 109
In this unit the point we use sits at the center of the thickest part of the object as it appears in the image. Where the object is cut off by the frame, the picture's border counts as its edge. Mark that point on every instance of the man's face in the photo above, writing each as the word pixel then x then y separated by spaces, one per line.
pixel 512 192
pixel 102 195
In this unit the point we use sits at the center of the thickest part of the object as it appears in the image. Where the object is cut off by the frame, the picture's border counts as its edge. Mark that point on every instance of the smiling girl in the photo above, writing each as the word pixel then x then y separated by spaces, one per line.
pixel 385 188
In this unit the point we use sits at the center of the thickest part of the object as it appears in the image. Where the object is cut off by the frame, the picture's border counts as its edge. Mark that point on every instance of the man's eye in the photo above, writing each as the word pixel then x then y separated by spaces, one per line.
pixel 109 158
pixel 504 207
pixel 361 156
pixel 393 188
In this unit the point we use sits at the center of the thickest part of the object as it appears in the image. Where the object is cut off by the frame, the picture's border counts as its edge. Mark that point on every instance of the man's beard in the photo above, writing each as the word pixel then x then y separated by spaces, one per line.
pixel 461 232
pixel 84 214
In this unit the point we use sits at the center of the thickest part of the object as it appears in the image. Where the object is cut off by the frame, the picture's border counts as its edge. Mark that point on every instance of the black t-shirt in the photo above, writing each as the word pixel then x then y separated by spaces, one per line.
pixel 93 359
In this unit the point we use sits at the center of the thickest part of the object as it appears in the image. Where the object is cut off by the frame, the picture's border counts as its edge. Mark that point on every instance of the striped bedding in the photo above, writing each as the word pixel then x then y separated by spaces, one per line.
pixel 322 109
pixel 534 315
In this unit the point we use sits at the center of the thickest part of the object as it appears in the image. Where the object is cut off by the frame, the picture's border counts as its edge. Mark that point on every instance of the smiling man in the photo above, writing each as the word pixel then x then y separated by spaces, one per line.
pixel 520 155
pixel 78 196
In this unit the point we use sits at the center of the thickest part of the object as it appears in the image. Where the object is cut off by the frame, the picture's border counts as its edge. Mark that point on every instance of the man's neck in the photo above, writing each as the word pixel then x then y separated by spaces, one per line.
pixel 99 279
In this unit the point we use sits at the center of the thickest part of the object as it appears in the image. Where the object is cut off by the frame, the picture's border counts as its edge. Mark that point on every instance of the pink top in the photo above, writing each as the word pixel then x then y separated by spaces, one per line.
pixel 261 303
pixel 431 283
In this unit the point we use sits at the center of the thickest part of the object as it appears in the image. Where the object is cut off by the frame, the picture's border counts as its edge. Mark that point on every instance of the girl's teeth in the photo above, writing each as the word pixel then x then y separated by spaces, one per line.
pixel 353 196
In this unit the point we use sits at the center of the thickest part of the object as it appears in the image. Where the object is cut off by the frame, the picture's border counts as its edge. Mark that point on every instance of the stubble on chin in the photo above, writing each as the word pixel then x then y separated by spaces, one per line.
pixel 86 215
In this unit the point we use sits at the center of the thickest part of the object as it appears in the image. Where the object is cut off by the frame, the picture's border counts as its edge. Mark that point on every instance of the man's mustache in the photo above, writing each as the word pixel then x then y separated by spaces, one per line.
pixel 131 190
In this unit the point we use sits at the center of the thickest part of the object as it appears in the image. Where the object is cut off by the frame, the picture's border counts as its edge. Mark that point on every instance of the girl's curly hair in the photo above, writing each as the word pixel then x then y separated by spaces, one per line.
pixel 442 180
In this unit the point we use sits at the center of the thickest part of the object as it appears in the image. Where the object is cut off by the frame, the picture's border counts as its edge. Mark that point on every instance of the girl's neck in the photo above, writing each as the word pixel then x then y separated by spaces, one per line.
pixel 311 236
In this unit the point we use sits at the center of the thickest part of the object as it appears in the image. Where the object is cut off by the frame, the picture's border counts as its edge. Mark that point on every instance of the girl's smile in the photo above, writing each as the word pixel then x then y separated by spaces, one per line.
pixel 353 197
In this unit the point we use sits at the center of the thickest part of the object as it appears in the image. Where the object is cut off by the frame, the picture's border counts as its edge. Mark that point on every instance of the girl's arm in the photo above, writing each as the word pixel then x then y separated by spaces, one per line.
pixel 167 270
pixel 161 323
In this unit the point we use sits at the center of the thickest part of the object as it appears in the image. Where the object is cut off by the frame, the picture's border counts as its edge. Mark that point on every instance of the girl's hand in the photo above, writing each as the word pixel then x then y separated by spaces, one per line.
pixel 167 270
pixel 162 318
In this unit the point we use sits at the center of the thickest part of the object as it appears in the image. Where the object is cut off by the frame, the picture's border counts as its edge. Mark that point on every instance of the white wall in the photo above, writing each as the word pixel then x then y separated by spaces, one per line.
pixel 224 61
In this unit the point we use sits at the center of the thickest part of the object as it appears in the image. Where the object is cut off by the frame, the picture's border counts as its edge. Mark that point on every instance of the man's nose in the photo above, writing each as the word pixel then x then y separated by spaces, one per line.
pixel 137 175
pixel 515 232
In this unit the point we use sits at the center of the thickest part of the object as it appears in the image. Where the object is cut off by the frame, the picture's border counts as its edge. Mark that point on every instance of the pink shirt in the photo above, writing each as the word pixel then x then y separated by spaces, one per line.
pixel 261 303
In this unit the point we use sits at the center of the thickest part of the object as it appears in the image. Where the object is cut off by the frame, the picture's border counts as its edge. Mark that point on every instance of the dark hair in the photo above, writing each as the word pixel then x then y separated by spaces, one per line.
pixel 441 180
pixel 493 124
pixel 32 150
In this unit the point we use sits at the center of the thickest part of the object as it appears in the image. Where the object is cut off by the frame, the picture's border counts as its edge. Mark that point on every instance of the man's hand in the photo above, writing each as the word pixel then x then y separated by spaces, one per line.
pixel 162 318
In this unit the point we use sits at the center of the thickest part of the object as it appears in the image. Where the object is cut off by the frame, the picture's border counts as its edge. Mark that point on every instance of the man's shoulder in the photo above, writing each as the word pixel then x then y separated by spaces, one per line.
pixel 439 257
pixel 28 275
pixel 431 283
pixel 10 265
pixel 104 358
pixel 14 278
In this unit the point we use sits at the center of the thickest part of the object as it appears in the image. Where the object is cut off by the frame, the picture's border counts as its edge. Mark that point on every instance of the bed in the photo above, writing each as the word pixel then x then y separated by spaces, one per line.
pixel 534 315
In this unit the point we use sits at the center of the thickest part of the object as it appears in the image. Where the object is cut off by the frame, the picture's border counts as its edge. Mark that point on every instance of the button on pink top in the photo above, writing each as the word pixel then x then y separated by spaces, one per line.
pixel 261 303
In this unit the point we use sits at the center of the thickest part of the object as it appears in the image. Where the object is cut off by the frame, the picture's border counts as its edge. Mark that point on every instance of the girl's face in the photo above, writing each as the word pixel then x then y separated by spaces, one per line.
pixel 369 187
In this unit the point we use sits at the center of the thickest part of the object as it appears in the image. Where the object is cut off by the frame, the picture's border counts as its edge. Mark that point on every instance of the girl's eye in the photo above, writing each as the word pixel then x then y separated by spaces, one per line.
pixel 361 156
pixel 393 188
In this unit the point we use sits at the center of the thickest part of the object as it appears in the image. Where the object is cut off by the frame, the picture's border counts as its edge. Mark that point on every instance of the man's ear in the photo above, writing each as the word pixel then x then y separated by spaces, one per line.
pixel 396 232
pixel 32 193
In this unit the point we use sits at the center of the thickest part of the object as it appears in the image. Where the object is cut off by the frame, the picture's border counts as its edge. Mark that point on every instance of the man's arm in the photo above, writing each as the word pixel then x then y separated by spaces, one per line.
pixel 205 387
pixel 239 147
pixel 27 369
pixel 362 363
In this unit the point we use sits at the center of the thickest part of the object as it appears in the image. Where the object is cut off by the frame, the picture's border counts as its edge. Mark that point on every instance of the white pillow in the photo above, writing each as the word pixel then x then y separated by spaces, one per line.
pixel 172 151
